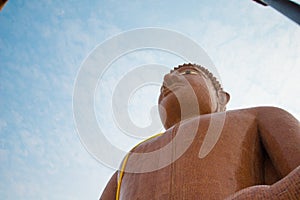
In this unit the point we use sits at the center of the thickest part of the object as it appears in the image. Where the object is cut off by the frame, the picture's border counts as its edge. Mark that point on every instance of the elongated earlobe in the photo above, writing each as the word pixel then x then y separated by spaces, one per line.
pixel 224 97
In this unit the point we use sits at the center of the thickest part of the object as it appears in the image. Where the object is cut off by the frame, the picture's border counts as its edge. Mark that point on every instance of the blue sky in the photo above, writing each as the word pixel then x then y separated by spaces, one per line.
pixel 43 44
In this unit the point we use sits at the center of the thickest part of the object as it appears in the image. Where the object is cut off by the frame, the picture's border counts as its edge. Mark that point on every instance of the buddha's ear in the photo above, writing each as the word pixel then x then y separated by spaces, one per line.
pixel 224 97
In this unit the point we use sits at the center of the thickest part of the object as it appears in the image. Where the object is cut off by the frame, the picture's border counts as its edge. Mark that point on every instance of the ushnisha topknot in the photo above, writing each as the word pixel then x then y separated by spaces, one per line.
pixel 213 79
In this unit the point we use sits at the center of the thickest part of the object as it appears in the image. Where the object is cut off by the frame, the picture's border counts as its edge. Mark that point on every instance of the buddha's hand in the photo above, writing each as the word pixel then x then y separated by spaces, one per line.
pixel 286 188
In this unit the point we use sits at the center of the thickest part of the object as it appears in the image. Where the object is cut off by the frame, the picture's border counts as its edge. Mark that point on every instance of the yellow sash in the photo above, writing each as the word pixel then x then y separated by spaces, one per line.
pixel 124 165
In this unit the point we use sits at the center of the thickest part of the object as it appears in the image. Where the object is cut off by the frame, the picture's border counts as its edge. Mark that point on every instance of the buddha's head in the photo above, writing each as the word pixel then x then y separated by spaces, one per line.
pixel 188 91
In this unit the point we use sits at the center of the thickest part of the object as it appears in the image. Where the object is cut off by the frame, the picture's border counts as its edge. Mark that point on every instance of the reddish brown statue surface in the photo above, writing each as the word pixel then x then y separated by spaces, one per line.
pixel 256 155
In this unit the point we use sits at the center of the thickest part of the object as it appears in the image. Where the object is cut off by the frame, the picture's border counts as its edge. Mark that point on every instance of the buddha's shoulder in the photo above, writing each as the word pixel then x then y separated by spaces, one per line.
pixel 258 111
pixel 238 115
pixel 244 115
pixel 154 142
pixel 261 114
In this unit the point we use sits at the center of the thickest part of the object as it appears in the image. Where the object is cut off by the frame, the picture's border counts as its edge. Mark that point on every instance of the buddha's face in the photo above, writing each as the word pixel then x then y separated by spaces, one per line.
pixel 186 92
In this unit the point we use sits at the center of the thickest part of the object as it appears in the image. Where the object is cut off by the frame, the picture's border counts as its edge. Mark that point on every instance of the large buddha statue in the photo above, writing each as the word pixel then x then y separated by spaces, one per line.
pixel 255 155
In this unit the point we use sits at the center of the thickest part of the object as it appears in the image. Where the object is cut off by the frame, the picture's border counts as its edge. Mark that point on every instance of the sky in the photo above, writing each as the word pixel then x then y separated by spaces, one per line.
pixel 43 45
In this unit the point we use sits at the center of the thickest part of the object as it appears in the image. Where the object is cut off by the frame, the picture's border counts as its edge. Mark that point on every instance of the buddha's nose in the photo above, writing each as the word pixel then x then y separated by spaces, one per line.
pixel 170 79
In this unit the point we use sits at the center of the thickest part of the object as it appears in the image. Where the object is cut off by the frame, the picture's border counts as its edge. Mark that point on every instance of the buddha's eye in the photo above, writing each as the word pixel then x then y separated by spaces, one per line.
pixel 188 72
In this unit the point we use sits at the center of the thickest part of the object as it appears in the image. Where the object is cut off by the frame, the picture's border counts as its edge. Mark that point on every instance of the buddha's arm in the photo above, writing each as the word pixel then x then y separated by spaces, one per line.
pixel 286 188
pixel 109 192
pixel 280 135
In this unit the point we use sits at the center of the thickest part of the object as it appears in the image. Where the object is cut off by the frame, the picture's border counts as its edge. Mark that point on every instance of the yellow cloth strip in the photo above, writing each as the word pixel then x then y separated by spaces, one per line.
pixel 124 165
pixel 121 176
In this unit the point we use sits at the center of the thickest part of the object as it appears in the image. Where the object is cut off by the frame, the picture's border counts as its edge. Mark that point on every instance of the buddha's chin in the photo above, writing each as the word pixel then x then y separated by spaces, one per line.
pixel 171 119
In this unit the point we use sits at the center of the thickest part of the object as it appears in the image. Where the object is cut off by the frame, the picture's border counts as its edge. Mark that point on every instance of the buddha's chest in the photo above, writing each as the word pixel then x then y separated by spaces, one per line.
pixel 233 160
